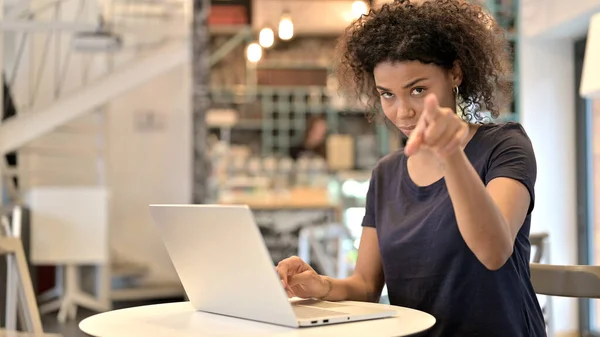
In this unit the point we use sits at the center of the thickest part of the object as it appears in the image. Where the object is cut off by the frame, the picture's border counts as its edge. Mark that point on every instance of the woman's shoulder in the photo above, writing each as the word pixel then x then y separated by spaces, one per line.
pixel 389 164
pixel 503 130
pixel 494 136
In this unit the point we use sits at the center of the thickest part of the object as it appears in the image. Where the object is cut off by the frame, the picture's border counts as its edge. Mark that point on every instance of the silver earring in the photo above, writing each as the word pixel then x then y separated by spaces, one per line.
pixel 455 90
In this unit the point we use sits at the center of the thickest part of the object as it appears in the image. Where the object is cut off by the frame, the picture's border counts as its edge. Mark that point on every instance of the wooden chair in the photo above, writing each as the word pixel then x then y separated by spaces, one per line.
pixel 576 281
pixel 20 297
pixel 539 241
pixel 539 245
pixel 566 281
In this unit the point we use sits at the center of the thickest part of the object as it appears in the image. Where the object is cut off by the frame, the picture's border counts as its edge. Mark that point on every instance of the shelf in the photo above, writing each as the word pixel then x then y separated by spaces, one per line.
pixel 241 125
pixel 149 291
pixel 292 65
pixel 226 29
pixel 296 198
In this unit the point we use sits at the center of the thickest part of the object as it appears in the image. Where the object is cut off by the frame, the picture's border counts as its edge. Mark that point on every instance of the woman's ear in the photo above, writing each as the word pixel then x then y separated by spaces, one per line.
pixel 456 74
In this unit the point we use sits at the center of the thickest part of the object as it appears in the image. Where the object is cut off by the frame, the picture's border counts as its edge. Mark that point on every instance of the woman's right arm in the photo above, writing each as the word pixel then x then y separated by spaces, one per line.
pixel 367 281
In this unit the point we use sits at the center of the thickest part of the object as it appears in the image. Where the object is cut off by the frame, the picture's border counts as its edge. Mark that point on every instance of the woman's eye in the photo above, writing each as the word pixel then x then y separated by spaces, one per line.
pixel 417 91
pixel 387 95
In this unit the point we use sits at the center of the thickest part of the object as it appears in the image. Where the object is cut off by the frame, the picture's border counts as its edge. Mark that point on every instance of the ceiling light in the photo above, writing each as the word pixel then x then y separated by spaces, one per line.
pixel 266 37
pixel 286 27
pixel 359 8
pixel 254 52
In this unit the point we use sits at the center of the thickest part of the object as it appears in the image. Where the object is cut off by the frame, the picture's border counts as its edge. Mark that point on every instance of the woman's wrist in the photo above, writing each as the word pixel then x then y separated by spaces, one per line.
pixel 328 286
pixel 453 162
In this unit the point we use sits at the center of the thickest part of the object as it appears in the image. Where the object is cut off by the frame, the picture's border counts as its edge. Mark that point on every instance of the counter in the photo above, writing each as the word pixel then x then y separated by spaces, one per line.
pixel 282 216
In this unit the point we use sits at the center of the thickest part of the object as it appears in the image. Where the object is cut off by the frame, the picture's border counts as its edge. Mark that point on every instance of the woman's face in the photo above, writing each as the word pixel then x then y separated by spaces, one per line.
pixel 403 86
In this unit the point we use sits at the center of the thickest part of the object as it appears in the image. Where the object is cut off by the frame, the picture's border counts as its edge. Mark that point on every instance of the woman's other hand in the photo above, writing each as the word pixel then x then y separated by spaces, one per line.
pixel 300 280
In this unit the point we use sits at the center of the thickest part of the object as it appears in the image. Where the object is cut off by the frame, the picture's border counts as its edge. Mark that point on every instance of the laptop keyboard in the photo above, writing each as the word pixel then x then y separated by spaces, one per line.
pixel 309 312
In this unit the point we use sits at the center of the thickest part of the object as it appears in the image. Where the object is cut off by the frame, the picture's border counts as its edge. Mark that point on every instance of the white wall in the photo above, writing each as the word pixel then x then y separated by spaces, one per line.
pixel 151 166
pixel 548 114
pixel 547 91
pixel 556 19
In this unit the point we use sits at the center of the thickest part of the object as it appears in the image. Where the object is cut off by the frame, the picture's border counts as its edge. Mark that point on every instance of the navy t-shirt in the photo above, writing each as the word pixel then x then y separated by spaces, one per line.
pixel 426 262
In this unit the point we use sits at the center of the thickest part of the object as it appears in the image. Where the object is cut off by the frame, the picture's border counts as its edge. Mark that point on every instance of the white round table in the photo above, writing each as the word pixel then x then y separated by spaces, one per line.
pixel 180 319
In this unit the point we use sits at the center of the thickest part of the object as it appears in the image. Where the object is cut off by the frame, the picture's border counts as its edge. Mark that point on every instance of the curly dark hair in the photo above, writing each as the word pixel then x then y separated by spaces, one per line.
pixel 441 32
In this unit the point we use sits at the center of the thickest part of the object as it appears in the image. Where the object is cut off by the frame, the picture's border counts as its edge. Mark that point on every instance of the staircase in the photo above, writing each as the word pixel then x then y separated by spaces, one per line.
pixel 61 139
pixel 21 129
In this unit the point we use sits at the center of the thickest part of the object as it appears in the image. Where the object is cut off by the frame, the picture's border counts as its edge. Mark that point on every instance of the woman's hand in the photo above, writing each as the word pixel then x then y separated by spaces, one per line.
pixel 439 129
pixel 300 280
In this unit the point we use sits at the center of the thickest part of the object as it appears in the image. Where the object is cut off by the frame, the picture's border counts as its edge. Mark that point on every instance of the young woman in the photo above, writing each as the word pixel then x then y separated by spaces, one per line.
pixel 447 219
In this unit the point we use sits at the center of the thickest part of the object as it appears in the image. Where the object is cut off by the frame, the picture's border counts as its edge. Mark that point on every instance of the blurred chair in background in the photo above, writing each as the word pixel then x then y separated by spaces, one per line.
pixel 21 305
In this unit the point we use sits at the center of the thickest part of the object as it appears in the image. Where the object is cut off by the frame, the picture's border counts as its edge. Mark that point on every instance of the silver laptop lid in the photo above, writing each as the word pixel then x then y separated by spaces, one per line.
pixel 223 262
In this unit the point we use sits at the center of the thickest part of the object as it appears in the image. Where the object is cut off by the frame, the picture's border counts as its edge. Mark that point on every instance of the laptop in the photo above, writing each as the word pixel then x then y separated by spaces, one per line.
pixel 225 268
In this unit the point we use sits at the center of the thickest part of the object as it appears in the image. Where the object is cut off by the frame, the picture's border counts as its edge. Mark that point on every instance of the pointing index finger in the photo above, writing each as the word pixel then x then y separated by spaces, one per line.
pixel 431 107
pixel 416 138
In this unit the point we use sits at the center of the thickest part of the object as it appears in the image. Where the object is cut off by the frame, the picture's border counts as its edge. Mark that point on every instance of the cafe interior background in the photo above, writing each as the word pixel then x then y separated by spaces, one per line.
pixel 111 105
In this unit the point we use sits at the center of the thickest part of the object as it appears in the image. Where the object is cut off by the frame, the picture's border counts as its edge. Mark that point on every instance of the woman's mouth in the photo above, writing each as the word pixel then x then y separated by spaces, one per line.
pixel 406 129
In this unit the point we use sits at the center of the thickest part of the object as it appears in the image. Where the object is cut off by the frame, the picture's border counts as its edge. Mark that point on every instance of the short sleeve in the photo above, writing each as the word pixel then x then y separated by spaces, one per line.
pixel 369 219
pixel 513 157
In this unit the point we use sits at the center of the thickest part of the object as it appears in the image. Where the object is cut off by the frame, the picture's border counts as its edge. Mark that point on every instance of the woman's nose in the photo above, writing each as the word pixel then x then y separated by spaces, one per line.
pixel 405 112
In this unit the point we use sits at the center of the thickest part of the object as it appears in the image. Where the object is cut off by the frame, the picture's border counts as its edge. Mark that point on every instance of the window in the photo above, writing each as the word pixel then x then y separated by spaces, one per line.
pixel 588 190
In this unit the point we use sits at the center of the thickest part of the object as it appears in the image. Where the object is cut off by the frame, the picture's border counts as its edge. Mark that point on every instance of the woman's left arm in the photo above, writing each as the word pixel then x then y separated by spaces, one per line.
pixel 488 218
